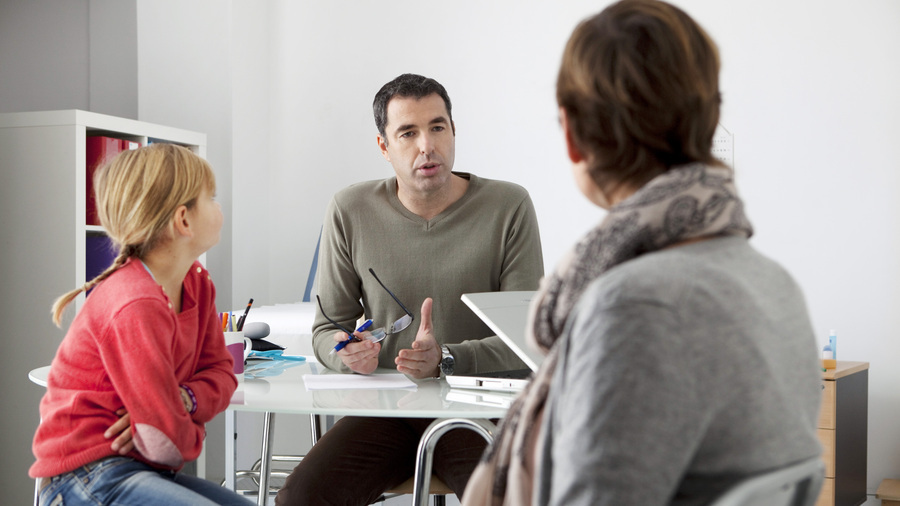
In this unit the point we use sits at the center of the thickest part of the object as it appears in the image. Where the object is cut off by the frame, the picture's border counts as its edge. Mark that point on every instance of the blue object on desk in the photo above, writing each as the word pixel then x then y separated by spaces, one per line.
pixel 362 328
pixel 270 368
pixel 274 355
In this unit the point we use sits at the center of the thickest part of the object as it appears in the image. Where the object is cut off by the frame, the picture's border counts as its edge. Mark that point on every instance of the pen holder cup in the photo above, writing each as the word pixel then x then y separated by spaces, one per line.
pixel 239 347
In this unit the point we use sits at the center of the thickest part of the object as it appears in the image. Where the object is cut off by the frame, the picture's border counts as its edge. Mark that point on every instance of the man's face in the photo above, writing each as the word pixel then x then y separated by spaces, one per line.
pixel 419 143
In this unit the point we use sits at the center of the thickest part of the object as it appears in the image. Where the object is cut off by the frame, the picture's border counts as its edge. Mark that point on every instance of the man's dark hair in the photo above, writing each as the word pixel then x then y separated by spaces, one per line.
pixel 406 85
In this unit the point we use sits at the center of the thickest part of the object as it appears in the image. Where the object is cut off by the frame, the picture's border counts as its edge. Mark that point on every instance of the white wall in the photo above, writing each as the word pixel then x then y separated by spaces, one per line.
pixel 184 80
pixel 252 207
pixel 284 89
pixel 811 97
pixel 809 93
pixel 53 55
pixel 40 42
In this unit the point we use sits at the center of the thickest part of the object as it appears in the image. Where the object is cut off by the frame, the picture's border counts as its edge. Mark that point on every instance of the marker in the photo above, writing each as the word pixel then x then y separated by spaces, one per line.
pixel 340 346
pixel 240 323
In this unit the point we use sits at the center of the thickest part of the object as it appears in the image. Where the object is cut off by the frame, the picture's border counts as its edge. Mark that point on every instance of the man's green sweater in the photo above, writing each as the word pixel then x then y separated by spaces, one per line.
pixel 488 240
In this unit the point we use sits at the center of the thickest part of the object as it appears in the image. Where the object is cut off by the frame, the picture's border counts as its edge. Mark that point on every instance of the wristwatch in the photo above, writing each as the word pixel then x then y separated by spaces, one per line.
pixel 447 361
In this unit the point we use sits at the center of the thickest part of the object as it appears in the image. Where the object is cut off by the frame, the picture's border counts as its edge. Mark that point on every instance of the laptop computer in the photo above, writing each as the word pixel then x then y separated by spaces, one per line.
pixel 506 313
pixel 489 398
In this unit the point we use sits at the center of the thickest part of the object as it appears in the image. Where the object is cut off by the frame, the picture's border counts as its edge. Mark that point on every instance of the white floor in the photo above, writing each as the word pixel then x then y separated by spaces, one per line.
pixel 452 501
pixel 401 501
pixel 405 500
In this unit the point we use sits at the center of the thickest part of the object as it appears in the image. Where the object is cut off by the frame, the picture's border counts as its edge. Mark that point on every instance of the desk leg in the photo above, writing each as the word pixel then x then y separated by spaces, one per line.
pixel 230 448
pixel 426 450
pixel 268 433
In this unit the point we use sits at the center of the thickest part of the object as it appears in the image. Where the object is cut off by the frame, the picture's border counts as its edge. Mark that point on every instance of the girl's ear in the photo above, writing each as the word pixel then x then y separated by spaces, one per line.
pixel 575 154
pixel 181 225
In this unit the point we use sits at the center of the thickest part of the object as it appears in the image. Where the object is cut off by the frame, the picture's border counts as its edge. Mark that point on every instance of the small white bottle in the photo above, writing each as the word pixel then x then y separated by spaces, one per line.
pixel 832 341
pixel 828 361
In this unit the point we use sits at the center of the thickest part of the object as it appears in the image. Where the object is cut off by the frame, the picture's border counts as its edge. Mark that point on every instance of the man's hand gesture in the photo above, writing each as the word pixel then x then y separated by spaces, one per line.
pixel 423 359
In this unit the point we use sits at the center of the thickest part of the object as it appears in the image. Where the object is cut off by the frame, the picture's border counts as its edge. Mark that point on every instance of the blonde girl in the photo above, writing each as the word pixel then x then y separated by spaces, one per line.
pixel 143 366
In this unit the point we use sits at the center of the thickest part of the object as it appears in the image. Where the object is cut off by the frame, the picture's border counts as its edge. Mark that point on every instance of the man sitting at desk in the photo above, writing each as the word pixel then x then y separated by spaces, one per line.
pixel 430 235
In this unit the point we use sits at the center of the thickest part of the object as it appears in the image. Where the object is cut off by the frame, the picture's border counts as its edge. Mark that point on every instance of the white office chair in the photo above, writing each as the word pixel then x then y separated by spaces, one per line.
pixel 794 485
pixel 425 454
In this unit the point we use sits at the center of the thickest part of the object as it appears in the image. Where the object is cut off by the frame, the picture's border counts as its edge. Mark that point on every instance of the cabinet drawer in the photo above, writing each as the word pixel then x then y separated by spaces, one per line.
pixel 826 437
pixel 826 497
pixel 827 411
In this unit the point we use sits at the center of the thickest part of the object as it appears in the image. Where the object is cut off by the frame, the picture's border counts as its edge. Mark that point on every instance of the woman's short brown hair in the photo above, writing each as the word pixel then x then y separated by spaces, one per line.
pixel 640 86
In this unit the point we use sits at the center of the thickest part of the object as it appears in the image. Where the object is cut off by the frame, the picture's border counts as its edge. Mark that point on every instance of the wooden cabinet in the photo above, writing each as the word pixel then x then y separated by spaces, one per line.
pixel 842 430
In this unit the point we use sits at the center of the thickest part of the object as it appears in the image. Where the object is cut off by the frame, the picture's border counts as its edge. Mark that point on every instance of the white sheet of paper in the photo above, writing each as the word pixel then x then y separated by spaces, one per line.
pixel 357 381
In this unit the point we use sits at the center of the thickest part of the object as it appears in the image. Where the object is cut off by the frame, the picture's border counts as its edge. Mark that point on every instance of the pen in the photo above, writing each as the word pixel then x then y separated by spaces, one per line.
pixel 340 346
pixel 240 323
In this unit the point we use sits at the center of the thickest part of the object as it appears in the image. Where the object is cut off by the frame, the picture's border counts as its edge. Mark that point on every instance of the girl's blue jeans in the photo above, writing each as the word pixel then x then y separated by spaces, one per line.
pixel 121 480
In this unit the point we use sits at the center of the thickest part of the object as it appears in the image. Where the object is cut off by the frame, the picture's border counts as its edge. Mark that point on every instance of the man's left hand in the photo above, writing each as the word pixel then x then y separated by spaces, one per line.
pixel 423 359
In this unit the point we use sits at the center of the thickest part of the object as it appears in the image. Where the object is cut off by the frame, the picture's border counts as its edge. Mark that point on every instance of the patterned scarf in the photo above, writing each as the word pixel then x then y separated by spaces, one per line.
pixel 686 202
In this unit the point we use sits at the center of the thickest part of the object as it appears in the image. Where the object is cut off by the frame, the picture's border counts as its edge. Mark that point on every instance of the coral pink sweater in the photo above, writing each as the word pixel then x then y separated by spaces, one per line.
pixel 128 348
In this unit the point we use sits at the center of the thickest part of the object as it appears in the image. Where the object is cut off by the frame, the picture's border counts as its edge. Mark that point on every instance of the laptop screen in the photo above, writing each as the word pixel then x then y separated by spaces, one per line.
pixel 506 313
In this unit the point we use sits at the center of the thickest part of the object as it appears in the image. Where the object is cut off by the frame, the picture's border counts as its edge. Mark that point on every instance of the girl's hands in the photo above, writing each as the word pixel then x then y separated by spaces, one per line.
pixel 121 430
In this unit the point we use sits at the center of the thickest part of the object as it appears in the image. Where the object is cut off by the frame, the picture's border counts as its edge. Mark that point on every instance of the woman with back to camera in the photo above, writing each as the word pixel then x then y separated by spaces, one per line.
pixel 680 359
pixel 143 367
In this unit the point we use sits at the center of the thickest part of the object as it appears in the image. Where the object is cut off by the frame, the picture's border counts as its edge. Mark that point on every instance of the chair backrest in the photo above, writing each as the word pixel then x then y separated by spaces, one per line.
pixel 310 280
pixel 794 485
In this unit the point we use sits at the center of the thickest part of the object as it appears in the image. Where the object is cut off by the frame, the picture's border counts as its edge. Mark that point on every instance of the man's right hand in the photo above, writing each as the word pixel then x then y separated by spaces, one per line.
pixel 361 357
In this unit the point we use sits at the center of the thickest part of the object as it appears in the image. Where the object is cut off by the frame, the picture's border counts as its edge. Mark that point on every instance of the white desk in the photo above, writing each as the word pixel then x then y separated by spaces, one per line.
pixel 285 392
pixel 39 376
pixel 280 389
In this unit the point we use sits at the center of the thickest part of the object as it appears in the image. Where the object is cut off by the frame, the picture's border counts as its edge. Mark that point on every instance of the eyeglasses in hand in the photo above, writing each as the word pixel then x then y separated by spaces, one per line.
pixel 403 322
pixel 376 335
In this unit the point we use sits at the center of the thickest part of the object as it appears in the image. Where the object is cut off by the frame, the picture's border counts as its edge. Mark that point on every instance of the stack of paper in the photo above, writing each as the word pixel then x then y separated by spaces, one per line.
pixel 357 381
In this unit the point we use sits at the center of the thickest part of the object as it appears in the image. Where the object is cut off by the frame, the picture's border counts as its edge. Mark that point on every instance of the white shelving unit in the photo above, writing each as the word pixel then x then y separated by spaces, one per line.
pixel 42 244
pixel 49 147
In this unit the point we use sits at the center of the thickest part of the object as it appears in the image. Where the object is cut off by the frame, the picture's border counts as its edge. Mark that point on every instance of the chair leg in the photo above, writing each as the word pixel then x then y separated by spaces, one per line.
pixel 315 426
pixel 429 440
pixel 440 500
pixel 261 470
